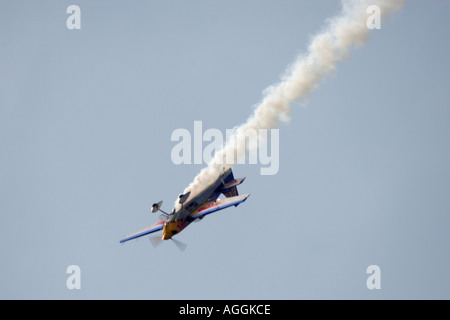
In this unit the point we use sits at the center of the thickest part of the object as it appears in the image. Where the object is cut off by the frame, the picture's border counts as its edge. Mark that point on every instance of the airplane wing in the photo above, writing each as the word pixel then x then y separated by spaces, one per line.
pixel 147 230
pixel 219 205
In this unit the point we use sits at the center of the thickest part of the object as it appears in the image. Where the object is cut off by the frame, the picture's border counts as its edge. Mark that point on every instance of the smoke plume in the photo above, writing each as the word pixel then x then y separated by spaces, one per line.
pixel 341 33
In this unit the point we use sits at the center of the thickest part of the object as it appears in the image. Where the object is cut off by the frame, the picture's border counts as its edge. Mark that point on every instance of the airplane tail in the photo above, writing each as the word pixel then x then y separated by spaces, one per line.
pixel 230 184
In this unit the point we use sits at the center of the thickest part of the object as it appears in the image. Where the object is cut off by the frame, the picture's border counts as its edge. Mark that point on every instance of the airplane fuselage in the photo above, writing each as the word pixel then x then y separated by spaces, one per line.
pixel 180 218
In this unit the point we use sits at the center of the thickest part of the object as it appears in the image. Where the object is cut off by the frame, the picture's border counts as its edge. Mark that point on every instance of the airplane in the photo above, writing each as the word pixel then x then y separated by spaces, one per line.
pixel 194 207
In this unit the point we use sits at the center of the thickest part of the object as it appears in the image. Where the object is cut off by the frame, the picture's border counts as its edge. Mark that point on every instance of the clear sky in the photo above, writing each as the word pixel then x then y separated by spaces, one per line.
pixel 86 118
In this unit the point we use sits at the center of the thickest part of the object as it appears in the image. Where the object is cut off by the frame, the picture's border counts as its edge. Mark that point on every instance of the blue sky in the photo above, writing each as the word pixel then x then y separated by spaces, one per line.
pixel 86 118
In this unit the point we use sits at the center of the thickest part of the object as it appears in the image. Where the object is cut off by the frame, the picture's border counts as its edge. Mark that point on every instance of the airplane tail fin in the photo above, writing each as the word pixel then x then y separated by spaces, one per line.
pixel 230 188
pixel 230 184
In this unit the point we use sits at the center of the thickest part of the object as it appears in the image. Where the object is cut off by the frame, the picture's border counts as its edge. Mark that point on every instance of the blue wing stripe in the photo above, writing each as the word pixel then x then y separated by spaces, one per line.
pixel 143 232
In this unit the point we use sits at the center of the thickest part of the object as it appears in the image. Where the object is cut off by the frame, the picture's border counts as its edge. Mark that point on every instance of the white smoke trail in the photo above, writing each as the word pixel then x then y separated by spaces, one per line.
pixel 300 79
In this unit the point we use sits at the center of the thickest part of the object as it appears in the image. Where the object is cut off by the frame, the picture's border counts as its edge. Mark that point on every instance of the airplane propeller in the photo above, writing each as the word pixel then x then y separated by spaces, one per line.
pixel 180 245
pixel 163 216
pixel 156 240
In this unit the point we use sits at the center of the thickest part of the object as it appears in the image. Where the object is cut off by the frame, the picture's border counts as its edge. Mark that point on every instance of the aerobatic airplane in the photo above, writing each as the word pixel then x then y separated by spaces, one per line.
pixel 195 206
